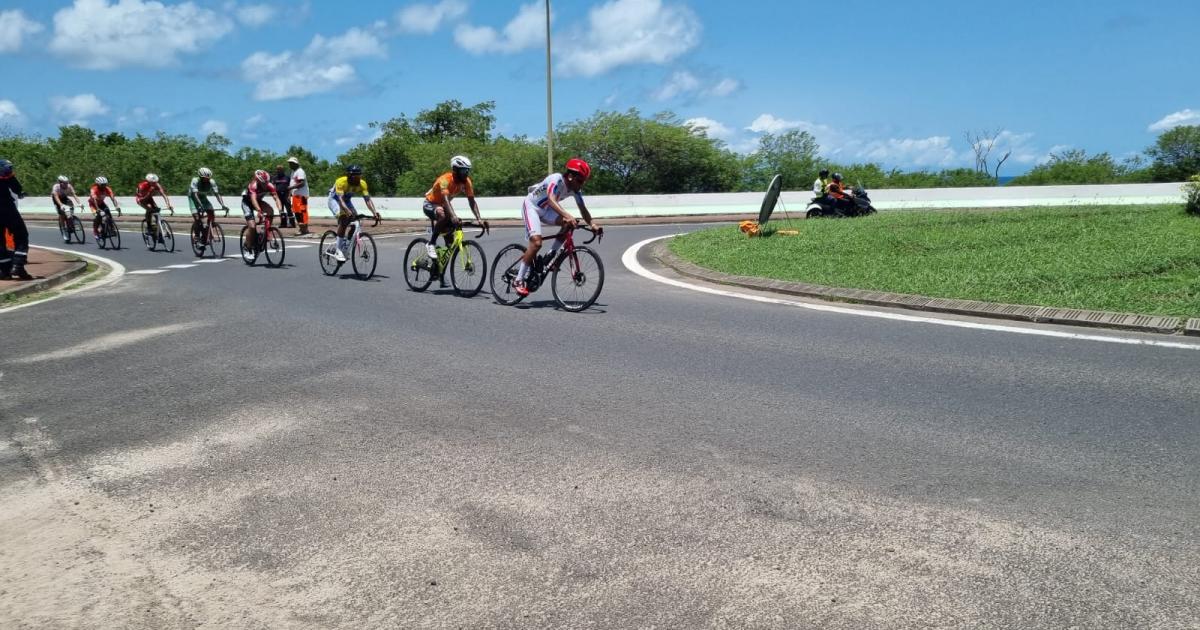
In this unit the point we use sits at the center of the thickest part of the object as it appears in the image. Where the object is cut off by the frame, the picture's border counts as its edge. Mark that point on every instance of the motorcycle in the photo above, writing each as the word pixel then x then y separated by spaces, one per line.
pixel 859 205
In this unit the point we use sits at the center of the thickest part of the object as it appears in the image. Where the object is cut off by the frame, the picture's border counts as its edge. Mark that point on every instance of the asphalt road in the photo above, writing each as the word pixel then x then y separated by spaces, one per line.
pixel 228 447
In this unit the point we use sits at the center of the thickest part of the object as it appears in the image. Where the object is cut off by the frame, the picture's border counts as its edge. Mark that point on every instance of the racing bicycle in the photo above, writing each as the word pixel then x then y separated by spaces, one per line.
pixel 266 240
pixel 107 235
pixel 207 235
pixel 464 259
pixel 71 227
pixel 164 235
pixel 576 272
pixel 363 255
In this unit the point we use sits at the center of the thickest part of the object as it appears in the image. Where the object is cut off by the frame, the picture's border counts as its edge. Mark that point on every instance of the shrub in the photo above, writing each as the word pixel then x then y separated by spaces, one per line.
pixel 1192 189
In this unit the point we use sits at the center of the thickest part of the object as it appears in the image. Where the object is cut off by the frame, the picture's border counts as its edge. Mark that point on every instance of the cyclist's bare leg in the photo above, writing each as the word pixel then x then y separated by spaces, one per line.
pixel 250 234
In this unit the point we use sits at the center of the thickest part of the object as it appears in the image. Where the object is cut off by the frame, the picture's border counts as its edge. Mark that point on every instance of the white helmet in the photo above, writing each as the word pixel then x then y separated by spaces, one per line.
pixel 205 172
pixel 460 161
pixel 102 181
pixel 63 179
pixel 152 178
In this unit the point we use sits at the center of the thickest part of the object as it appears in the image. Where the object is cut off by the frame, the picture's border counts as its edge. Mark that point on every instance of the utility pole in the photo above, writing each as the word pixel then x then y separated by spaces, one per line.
pixel 549 100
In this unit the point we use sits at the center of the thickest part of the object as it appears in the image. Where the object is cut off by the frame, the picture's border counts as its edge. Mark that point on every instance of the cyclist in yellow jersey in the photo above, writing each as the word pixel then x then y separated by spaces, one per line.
pixel 341 205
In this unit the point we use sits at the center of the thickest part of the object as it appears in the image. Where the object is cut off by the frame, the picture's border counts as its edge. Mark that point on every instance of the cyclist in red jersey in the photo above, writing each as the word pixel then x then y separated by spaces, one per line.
pixel 96 201
pixel 254 199
pixel 145 198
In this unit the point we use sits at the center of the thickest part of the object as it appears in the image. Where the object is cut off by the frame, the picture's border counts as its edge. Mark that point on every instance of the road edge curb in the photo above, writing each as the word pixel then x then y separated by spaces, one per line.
pixel 990 310
pixel 45 284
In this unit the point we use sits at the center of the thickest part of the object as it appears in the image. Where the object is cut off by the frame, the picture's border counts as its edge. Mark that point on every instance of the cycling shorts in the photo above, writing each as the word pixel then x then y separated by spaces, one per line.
pixel 336 210
pixel 534 217
pixel 248 210
pixel 201 204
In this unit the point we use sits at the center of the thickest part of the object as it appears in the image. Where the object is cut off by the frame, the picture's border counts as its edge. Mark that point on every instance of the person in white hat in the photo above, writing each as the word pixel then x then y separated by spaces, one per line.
pixel 298 189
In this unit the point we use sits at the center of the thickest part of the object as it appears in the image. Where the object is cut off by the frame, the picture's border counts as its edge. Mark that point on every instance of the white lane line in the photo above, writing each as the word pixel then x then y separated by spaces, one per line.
pixel 147 272
pixel 110 341
pixel 629 259
pixel 118 271
pixel 210 261
pixel 187 266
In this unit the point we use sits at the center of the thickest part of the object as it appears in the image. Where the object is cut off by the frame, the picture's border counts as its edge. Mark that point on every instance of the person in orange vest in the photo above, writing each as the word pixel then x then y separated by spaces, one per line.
pixel 842 198
pixel 12 265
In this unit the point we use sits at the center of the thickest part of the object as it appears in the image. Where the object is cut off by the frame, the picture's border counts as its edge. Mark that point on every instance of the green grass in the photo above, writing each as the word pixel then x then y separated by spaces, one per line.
pixel 1136 259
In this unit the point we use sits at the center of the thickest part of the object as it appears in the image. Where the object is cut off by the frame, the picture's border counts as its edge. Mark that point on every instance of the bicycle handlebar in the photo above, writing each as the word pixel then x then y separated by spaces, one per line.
pixel 484 227
pixel 596 234
pixel 360 216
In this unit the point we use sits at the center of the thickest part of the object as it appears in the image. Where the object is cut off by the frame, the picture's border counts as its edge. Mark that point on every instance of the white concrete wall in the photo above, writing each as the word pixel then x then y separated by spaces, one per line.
pixel 609 206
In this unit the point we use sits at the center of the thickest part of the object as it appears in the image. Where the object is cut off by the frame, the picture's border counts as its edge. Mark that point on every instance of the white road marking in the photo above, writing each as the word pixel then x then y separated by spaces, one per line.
pixel 147 272
pixel 187 266
pixel 108 342
pixel 118 271
pixel 210 261
pixel 629 259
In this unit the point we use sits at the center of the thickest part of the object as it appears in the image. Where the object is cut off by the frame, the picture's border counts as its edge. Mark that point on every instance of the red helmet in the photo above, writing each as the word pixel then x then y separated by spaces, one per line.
pixel 579 166
pixel 262 176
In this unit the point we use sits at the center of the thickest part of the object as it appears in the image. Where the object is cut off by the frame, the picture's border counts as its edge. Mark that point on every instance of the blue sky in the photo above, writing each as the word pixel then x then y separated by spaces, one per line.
pixel 888 81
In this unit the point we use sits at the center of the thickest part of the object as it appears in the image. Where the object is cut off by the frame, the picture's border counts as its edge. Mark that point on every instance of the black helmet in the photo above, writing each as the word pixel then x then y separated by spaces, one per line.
pixel 354 169
pixel 837 177
pixel 824 173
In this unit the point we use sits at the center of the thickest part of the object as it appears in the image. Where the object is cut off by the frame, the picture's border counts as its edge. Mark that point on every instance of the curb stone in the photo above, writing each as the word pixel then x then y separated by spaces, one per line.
pixel 41 284
pixel 993 310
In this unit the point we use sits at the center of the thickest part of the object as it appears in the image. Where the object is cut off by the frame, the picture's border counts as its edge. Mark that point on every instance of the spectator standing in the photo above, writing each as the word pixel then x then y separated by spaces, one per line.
pixel 281 181
pixel 12 264
pixel 297 189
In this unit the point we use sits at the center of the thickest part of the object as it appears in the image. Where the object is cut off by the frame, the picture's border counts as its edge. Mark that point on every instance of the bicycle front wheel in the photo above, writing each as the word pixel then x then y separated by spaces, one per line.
pixel 329 264
pixel 198 245
pixel 146 237
pixel 578 279
pixel 504 274
pixel 166 235
pixel 216 241
pixel 468 269
pixel 249 256
pixel 274 247
pixel 114 235
pixel 77 229
pixel 419 268
pixel 363 257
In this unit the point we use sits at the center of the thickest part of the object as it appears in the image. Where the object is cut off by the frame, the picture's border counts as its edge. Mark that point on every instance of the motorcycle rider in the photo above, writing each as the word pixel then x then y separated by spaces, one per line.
pixel 843 199
pixel 821 183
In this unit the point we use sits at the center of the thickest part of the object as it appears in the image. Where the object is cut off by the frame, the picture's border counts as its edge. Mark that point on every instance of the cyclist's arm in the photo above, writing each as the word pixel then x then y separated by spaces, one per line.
pixel 278 203
pixel 587 216
pixel 474 207
pixel 557 207
pixel 75 196
pixel 162 192
pixel 345 207
pixel 371 206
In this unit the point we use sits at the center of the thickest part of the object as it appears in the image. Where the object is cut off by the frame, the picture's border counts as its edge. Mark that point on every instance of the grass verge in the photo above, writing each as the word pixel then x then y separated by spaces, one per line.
pixel 1134 259
pixel 93 273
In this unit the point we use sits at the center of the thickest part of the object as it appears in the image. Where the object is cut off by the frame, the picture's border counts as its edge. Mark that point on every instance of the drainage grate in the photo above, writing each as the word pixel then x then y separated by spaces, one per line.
pixel 1193 328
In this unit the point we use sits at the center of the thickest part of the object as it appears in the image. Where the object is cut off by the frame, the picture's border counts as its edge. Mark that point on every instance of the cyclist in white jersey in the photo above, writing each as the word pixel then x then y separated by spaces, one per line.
pixel 542 205
pixel 61 194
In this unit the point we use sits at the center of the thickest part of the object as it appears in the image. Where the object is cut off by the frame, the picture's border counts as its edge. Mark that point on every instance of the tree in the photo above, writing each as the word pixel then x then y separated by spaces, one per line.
pixel 451 120
pixel 1176 154
pixel 982 144
pixel 792 154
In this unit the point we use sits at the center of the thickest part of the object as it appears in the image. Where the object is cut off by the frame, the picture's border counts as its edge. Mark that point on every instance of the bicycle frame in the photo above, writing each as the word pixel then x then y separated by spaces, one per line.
pixel 456 242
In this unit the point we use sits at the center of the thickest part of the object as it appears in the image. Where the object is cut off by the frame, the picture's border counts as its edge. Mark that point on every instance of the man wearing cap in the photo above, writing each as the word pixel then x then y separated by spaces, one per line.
pixel 298 188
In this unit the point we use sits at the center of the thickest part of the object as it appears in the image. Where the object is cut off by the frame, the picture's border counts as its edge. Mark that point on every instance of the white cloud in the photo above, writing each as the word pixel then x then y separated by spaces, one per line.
pixel 428 18
pixel 359 135
pixel 14 27
pixel 526 30
pixel 711 127
pixel 79 108
pixel 214 126
pixel 921 152
pixel 101 36
pixel 627 32
pixel 1178 119
pixel 9 111
pixel 254 15
pixel 323 66
pixel 768 123
pixel 254 121
pixel 685 84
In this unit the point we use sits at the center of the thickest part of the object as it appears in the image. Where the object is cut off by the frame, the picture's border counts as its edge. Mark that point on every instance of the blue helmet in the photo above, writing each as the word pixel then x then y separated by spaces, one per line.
pixel 354 169
pixel 6 168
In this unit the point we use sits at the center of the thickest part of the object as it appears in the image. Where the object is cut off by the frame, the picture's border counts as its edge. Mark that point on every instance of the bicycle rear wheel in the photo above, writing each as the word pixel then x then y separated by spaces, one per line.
pixel 419 268
pixel 274 247
pixel 468 269
pixel 504 273
pixel 249 256
pixel 216 241
pixel 329 264
pixel 198 245
pixel 167 236
pixel 77 229
pixel 363 256
pixel 578 279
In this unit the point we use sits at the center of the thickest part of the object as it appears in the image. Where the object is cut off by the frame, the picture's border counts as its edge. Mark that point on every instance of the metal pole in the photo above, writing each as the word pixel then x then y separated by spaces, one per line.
pixel 549 100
